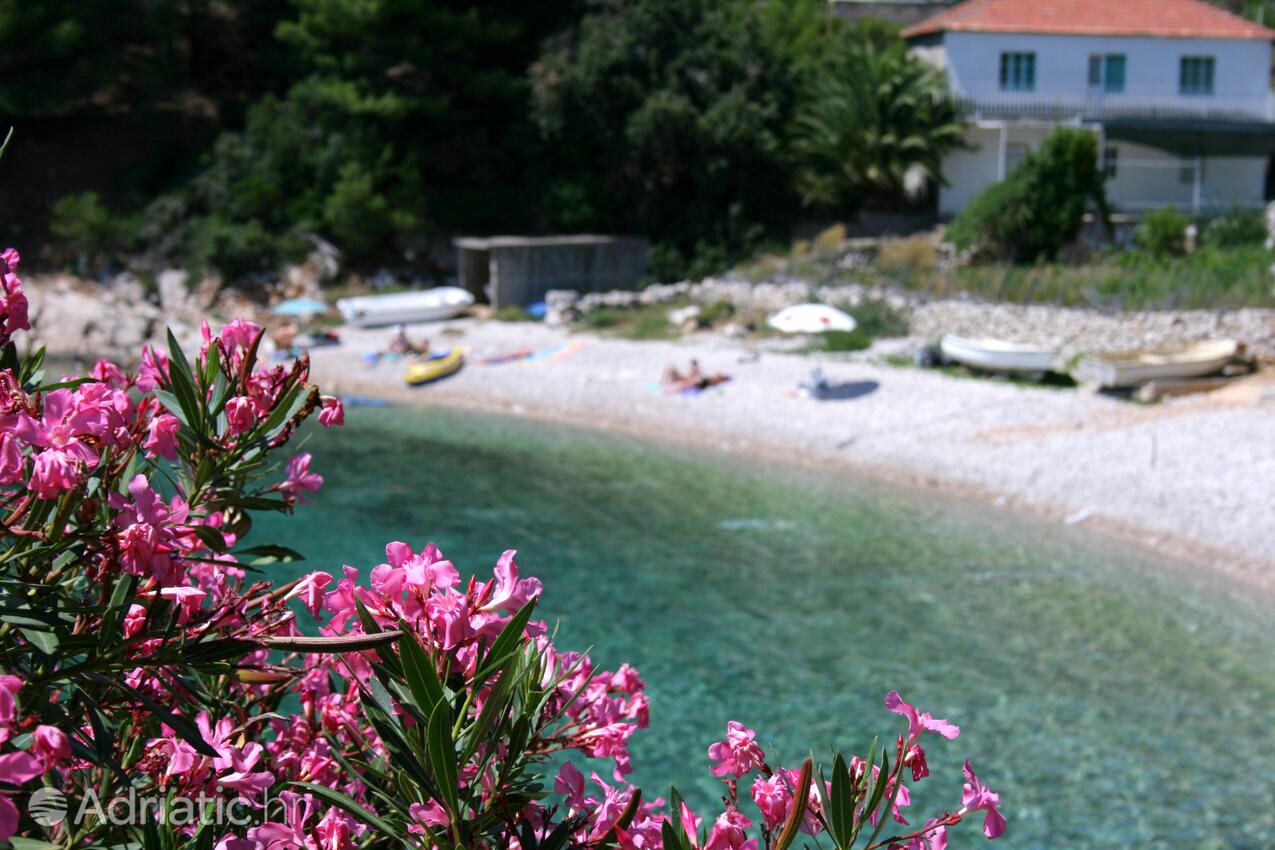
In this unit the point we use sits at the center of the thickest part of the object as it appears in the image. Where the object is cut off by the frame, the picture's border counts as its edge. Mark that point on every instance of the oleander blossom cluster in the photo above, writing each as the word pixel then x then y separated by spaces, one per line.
pixel 146 647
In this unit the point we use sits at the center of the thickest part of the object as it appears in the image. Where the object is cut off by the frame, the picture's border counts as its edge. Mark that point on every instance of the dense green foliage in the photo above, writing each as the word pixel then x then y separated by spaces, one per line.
pixel 223 133
pixel 870 129
pixel 1162 233
pixel 1236 228
pixel 1039 208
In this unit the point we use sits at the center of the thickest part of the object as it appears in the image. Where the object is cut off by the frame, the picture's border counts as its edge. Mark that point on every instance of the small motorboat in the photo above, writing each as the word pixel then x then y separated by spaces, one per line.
pixel 1115 370
pixel 995 355
pixel 434 368
pixel 426 305
pixel 811 319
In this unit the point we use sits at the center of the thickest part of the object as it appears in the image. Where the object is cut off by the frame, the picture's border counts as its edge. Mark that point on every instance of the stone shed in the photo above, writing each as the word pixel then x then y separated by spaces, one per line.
pixel 519 270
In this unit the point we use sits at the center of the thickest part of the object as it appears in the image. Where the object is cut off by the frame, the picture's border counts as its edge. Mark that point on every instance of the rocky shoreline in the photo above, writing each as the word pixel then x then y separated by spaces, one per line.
pixel 1072 330
pixel 76 318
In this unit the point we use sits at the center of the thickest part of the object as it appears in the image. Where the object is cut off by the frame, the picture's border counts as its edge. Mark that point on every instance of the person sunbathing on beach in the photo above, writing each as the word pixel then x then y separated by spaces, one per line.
pixel 401 344
pixel 693 381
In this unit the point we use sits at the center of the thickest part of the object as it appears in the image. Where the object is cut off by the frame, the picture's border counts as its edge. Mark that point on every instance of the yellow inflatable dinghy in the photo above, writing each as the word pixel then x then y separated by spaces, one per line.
pixel 436 367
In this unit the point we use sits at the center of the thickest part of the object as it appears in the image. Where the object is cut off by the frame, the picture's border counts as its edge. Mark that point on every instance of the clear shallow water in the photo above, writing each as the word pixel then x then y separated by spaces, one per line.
pixel 1115 702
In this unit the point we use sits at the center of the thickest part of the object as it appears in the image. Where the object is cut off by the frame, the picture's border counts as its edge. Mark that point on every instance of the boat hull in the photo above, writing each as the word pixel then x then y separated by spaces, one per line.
pixel 430 305
pixel 427 371
pixel 992 355
pixel 1131 369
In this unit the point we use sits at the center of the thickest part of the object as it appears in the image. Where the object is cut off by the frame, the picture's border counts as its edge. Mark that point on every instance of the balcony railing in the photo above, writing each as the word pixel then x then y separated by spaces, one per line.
pixel 1102 106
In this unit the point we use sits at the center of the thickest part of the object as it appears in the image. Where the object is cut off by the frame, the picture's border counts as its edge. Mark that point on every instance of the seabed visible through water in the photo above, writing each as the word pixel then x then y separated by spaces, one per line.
pixel 1114 699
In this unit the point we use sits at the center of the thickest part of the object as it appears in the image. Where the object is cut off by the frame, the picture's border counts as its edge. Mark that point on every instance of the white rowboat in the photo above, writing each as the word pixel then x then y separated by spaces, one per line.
pixel 428 305
pixel 1131 368
pixel 995 355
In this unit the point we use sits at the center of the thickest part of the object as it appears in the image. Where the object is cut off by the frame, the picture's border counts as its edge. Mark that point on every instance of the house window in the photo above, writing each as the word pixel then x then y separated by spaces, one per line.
pixel 1186 172
pixel 1195 75
pixel 1106 71
pixel 1018 71
pixel 1110 161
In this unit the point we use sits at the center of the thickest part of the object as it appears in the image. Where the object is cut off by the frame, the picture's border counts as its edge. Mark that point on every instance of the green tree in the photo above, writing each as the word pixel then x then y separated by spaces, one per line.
pixel 1040 206
pixel 865 132
pixel 666 117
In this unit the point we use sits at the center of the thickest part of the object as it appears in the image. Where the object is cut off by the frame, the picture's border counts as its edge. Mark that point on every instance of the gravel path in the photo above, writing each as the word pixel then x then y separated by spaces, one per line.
pixel 1190 477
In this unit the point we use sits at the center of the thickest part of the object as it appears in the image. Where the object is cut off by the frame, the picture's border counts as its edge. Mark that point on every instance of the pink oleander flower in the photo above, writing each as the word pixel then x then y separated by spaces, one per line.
pixel 738 754
pixel 932 837
pixel 917 723
pixel 427 814
pixel 915 760
pixel 570 784
pixel 148 532
pixel 337 830
pixel 9 687
pixel 300 478
pixel 239 334
pixel 332 413
pixel 975 796
pixel 239 415
pixel 51 746
pixel 507 592
pixel 134 620
pixel 8 818
pixel 310 590
pixel 11 462
pixel 292 834
pixel 773 798
pixel 13 301
pixel 161 436
pixel 153 370
pixel 728 833
pixel 110 374
pixel 17 768
pixel 58 432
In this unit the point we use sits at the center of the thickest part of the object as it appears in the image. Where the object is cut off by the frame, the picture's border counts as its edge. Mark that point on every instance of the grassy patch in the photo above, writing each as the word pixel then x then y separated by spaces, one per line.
pixel 512 313
pixel 1211 278
pixel 649 322
pixel 841 341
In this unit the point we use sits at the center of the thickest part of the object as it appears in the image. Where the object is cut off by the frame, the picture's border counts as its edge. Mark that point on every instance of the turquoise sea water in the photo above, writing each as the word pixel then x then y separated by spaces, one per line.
pixel 1115 701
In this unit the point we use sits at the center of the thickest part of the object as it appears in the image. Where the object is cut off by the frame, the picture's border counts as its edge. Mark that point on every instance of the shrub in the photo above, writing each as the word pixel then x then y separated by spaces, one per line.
pixel 829 239
pixel 513 313
pixel 1163 233
pixel 855 340
pixel 876 318
pixel 914 254
pixel 1236 228
pixel 140 653
pixel 84 230
pixel 1040 206
pixel 715 312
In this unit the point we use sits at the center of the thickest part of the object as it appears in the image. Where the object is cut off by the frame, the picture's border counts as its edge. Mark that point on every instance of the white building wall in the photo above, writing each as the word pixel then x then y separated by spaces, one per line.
pixel 1241 69
pixel 1146 178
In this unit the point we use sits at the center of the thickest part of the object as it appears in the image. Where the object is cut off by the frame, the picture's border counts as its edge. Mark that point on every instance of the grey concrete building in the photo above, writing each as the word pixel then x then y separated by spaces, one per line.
pixel 519 270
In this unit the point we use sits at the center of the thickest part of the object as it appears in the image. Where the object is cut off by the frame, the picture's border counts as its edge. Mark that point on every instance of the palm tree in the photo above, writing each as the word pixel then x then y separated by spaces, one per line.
pixel 871 130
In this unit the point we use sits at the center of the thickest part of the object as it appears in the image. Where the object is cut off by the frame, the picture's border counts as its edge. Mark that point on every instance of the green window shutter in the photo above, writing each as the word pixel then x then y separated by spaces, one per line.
pixel 1115 73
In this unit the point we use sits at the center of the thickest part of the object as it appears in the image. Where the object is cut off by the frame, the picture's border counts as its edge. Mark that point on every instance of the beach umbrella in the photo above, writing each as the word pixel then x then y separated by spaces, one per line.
pixel 811 319
pixel 299 307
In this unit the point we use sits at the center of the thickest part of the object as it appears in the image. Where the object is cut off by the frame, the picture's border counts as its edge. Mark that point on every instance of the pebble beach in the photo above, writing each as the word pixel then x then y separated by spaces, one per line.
pixel 1189 477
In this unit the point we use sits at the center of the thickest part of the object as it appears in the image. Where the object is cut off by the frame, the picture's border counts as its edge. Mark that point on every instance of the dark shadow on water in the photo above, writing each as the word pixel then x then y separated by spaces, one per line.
pixel 848 391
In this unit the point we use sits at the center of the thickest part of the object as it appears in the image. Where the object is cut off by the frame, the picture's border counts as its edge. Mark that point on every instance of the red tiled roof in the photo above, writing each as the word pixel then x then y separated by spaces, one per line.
pixel 1162 18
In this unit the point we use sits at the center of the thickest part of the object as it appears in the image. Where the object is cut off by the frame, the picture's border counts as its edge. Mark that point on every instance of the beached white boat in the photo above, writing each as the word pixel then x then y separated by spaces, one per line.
pixel 995 355
pixel 427 305
pixel 1131 368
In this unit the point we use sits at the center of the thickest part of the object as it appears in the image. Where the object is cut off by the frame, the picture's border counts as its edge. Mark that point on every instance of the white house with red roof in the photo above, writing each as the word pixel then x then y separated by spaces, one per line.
pixel 1178 90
